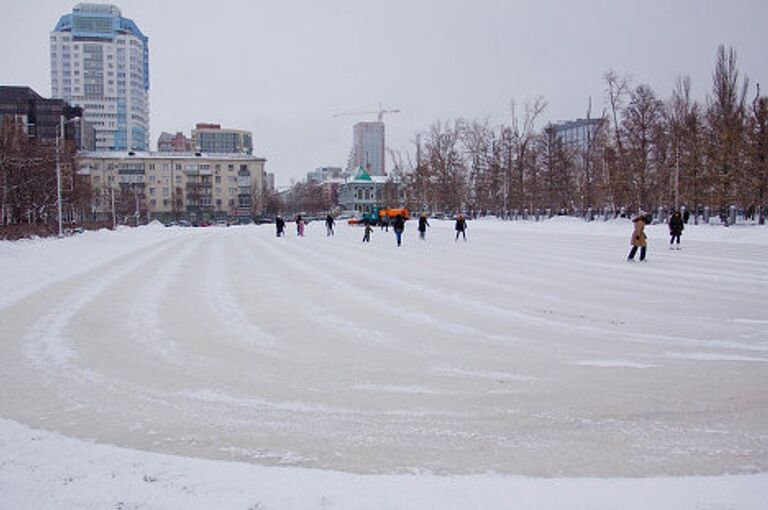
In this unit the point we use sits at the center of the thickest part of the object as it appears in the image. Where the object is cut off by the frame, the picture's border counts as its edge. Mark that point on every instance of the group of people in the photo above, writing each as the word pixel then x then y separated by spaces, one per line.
pixel 397 223
pixel 300 224
pixel 640 240
pixel 460 226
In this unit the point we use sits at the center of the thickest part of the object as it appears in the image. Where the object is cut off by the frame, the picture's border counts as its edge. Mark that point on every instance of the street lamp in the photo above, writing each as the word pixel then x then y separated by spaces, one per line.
pixel 60 136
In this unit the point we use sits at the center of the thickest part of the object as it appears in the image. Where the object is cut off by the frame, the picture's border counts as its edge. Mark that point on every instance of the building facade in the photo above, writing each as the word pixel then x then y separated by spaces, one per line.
pixel 100 62
pixel 368 148
pixel 363 193
pixel 212 138
pixel 325 173
pixel 579 132
pixel 172 186
pixel 40 118
pixel 168 142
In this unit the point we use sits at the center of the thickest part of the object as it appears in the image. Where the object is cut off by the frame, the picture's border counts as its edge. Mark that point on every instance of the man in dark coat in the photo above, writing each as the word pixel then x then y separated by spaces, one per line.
pixel 329 222
pixel 676 226
pixel 461 227
pixel 423 224
pixel 279 226
pixel 399 226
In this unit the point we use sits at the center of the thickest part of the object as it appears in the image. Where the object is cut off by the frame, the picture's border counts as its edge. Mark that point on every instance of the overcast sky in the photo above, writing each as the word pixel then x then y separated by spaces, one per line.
pixel 282 68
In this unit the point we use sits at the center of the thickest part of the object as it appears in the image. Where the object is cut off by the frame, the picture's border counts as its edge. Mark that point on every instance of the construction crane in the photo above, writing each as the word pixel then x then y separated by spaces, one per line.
pixel 379 114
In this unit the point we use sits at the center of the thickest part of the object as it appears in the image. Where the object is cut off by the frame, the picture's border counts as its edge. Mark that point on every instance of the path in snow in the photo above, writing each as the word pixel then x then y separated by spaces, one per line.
pixel 534 351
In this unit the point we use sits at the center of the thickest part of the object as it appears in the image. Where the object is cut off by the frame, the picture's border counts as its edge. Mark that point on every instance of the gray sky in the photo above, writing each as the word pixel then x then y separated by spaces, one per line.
pixel 282 68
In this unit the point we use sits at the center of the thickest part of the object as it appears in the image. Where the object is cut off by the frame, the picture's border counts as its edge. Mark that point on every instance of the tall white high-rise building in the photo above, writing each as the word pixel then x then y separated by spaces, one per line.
pixel 100 61
pixel 368 148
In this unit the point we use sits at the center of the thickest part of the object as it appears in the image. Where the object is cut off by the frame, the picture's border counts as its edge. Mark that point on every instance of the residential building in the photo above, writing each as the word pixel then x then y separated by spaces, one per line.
pixel 168 185
pixel 168 142
pixel 368 148
pixel 40 118
pixel 100 62
pixel 325 173
pixel 579 132
pixel 269 182
pixel 362 193
pixel 212 138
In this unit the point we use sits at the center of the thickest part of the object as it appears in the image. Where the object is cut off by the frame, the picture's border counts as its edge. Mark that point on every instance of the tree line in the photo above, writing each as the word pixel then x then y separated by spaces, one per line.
pixel 28 183
pixel 643 152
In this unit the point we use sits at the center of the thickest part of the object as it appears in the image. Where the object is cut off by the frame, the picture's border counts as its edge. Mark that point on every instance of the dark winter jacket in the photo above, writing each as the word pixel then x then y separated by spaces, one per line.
pixel 676 225
pixel 423 224
pixel 461 224
pixel 399 223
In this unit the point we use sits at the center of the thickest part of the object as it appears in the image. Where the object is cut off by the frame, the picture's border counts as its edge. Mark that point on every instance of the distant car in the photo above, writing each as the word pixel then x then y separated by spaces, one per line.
pixel 185 223
pixel 171 224
pixel 222 223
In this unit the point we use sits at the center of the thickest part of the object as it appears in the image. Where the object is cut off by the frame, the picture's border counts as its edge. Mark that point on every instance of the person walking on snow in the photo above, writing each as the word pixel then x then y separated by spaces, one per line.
pixel 280 226
pixel 385 223
pixel 329 222
pixel 367 233
pixel 299 226
pixel 638 239
pixel 423 224
pixel 461 227
pixel 399 225
pixel 676 227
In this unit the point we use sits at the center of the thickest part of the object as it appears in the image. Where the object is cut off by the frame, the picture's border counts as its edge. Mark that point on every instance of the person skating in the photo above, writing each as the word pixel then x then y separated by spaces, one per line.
pixel 280 226
pixel 329 222
pixel 676 226
pixel 384 223
pixel 367 232
pixel 423 224
pixel 299 226
pixel 461 227
pixel 399 225
pixel 638 239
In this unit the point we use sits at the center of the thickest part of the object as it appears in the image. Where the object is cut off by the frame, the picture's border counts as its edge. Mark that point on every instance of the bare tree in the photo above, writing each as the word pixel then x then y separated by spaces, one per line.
pixel 726 125
pixel 523 133
pixel 757 141
pixel 642 123
pixel 617 93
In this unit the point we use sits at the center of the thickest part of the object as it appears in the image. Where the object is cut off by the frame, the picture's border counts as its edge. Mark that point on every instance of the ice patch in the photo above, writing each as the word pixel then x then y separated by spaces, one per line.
pixel 475 374
pixel 749 321
pixel 606 363
pixel 391 388
pixel 712 356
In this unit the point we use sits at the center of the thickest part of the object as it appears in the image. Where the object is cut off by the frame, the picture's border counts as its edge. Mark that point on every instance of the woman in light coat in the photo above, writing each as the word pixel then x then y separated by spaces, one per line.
pixel 638 239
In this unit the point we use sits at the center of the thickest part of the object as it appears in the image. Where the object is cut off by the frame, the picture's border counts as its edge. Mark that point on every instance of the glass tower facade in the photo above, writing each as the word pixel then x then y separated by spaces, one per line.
pixel 368 147
pixel 100 62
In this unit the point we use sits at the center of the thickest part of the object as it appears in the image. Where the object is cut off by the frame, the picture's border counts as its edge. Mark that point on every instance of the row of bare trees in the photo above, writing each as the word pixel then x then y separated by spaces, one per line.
pixel 643 152
pixel 28 184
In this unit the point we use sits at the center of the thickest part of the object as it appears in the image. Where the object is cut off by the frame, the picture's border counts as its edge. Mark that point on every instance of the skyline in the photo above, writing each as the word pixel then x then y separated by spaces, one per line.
pixel 433 61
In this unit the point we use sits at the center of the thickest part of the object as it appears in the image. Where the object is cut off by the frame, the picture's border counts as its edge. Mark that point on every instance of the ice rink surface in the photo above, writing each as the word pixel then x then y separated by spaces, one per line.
pixel 532 349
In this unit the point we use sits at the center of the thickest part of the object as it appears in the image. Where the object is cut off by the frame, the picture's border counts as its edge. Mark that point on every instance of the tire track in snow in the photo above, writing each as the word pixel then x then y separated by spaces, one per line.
pixel 45 344
pixel 227 307
pixel 146 324
pixel 430 294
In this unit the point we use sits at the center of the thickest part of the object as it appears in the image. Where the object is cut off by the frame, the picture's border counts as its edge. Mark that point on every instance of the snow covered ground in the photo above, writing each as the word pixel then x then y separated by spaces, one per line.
pixel 530 367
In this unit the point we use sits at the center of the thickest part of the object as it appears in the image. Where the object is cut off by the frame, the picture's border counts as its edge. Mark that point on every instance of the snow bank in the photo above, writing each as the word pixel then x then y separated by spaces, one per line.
pixel 46 470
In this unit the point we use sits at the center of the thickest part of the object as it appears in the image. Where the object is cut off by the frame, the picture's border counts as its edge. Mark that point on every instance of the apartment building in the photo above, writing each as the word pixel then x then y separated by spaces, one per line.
pixel 100 62
pixel 171 186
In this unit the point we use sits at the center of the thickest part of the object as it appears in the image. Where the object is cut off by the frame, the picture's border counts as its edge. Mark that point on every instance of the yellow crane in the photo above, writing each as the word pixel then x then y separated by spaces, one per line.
pixel 379 114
